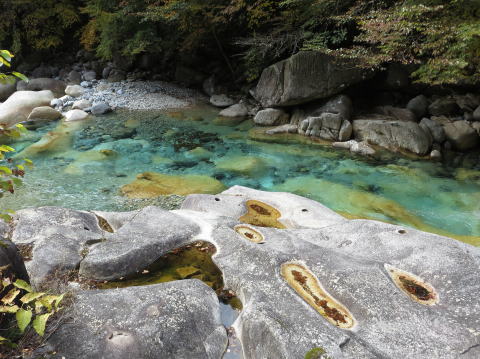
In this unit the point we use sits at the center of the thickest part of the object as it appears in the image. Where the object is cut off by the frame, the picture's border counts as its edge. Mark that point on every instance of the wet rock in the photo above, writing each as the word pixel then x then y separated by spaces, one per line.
pixel 461 135
pixel 445 106
pixel 237 110
pixel 74 90
pixel 326 126
pixel 40 84
pixel 44 113
pixel 393 135
pixel 304 77
pixel 418 105
pixel 362 148
pixel 19 105
pixel 221 101
pixel 244 165
pixel 271 117
pixel 101 108
pixel 176 320
pixel 288 128
pixel 434 128
pixel 75 115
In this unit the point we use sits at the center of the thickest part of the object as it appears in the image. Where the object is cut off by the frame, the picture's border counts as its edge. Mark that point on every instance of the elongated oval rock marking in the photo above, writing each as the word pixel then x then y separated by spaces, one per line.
pixel 307 285
pixel 416 288
pixel 249 233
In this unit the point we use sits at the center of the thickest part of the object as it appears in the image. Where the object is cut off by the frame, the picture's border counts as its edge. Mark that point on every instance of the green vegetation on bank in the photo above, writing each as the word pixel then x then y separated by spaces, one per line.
pixel 442 38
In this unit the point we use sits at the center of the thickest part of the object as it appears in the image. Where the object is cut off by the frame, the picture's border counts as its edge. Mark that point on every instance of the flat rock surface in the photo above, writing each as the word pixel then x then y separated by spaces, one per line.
pixel 366 289
pixel 170 320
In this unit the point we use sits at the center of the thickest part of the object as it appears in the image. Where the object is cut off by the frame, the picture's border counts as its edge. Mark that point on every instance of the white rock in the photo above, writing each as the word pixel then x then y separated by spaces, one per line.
pixel 238 110
pixel 20 104
pixel 75 115
pixel 81 105
pixel 75 90
pixel 221 101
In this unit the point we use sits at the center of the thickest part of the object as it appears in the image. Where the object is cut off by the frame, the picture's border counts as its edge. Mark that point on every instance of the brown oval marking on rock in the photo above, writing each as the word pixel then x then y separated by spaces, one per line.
pixel 416 288
pixel 262 215
pixel 249 233
pixel 103 224
pixel 307 286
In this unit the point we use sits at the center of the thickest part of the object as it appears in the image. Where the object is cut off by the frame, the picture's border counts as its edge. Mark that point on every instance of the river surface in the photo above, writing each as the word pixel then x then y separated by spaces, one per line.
pixel 84 165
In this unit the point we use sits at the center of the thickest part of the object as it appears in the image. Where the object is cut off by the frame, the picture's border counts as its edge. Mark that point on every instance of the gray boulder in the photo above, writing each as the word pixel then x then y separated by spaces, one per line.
pixel 434 128
pixel 221 101
pixel 288 128
pixel 74 90
pixel 304 77
pixel 327 126
pixel 10 259
pixel 90 76
pixel 81 105
pixel 237 110
pixel 170 320
pixel 396 113
pixel 476 114
pixel 44 113
pixel 461 135
pixel 40 84
pixel 393 135
pixel 101 108
pixel 74 77
pixel 445 106
pixel 361 148
pixel 271 117
pixel 418 105
pixel 6 90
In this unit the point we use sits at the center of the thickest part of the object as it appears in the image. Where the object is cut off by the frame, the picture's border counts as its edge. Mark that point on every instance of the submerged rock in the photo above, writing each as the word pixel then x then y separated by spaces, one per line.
pixel 150 184
pixel 246 165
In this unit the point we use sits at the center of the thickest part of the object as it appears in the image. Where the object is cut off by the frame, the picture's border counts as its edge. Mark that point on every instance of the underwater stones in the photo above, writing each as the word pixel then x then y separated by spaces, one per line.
pixel 199 153
pixel 75 115
pixel 249 233
pixel 307 286
pixel 262 215
pixel 413 286
pixel 245 165
pixel 20 104
pixel 151 184
pixel 170 320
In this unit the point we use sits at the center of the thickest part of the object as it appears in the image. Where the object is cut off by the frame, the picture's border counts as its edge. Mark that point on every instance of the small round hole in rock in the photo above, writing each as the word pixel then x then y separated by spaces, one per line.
pixel 304 210
pixel 402 231
pixel 217 199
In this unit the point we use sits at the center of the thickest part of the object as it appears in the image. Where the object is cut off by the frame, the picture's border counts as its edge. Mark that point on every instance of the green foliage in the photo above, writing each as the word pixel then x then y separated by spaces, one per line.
pixel 31 309
pixel 317 353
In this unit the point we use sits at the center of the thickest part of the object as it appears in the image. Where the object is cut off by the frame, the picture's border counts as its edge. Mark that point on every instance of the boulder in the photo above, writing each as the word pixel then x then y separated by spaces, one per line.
pixel 6 90
pixel 476 114
pixel 221 101
pixel 327 126
pixel 74 77
pixel 101 108
pixel 468 102
pixel 445 106
pixel 81 105
pixel 271 117
pixel 249 166
pixel 116 75
pixel 11 261
pixel 398 114
pixel 74 90
pixel 362 148
pixel 75 115
pixel 393 135
pixel 19 105
pixel 434 128
pixel 418 105
pixel 56 86
pixel 461 135
pixel 238 110
pixel 44 113
pixel 170 320
pixel 288 128
pixel 304 77
pixel 90 76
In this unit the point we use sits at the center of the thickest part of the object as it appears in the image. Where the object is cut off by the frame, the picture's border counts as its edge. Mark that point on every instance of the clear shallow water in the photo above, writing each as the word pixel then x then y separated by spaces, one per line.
pixel 84 165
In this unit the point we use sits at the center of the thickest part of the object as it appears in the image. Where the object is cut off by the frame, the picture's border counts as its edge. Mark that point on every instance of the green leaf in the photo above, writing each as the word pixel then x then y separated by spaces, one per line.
pixel 5 148
pixel 40 322
pixel 7 170
pixel 20 76
pixel 10 296
pixel 27 298
pixel 21 284
pixel 23 318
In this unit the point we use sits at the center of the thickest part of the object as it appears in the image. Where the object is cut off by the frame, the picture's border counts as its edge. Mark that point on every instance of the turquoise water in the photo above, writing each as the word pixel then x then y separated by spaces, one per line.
pixel 83 166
